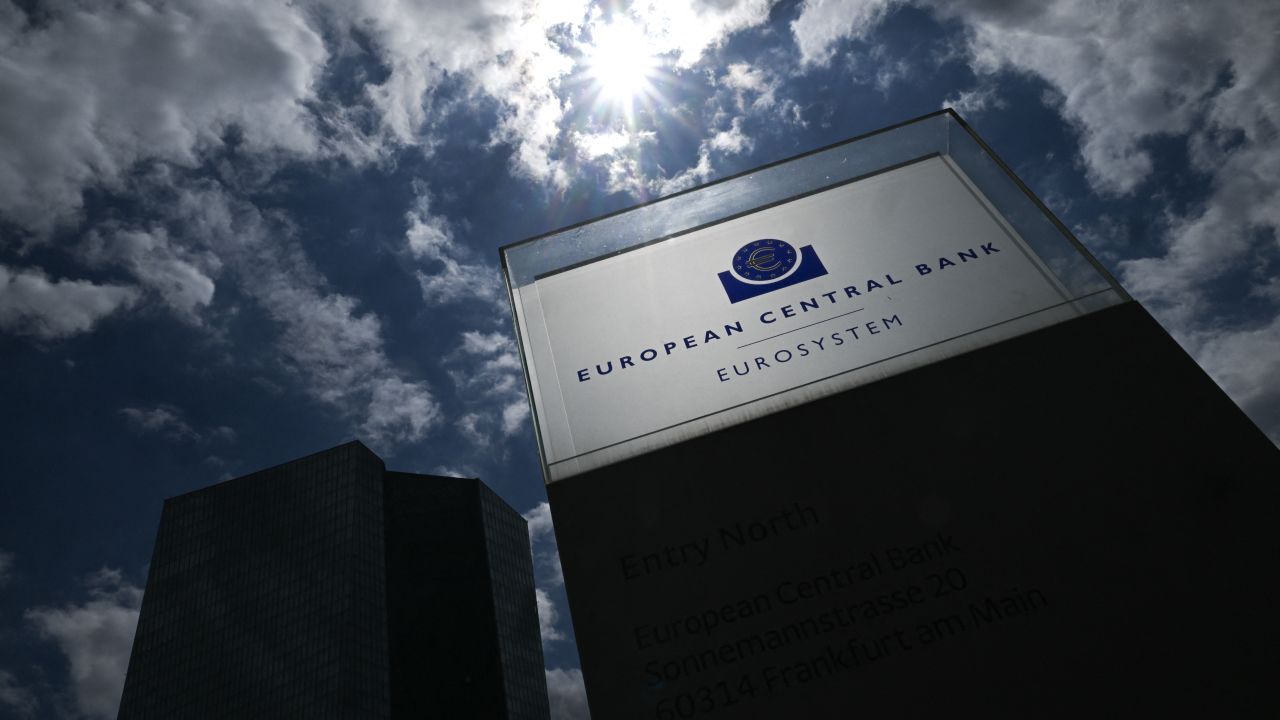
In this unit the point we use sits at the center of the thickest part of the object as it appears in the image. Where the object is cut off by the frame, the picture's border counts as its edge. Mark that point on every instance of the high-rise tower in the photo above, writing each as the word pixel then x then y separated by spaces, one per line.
pixel 329 587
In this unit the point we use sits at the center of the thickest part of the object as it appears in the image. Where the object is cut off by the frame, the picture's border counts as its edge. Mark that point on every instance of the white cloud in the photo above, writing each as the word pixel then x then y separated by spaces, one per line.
pixel 548 616
pixel 463 472
pixel 452 278
pixel 96 638
pixel 486 371
pixel 1121 73
pixel 93 88
pixel 399 410
pixel 458 281
pixel 597 144
pixel 568 694
pixel 753 87
pixel 32 304
pixel 622 160
pixel 514 416
pixel 517 54
pixel 689 29
pixel 733 140
pixel 1125 74
pixel 547 572
pixel 822 24
pixel 541 527
pixel 506 50
pixel 336 350
pixel 164 419
pixel 1148 70
pixel 469 426
pixel 19 700
pixel 180 276
pixel 972 102
pixel 478 343
pixel 169 422
pixel 687 178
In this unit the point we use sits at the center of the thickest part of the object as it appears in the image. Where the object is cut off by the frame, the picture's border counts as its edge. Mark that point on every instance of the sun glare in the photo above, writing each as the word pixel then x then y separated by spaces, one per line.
pixel 621 61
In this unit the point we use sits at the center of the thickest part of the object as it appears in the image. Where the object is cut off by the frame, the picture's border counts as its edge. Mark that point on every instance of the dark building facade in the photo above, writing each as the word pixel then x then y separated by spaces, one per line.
pixel 1076 522
pixel 330 587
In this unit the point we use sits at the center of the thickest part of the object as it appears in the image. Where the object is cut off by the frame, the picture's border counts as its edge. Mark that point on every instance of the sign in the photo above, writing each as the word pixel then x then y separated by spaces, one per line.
pixel 866 431
pixel 807 297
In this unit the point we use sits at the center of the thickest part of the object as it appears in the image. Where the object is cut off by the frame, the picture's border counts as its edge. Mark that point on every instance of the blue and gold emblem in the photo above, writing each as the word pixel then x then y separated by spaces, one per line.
pixel 764 260
pixel 769 264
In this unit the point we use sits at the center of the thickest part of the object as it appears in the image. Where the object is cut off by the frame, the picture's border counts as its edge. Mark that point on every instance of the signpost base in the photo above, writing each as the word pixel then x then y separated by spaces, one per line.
pixel 1069 522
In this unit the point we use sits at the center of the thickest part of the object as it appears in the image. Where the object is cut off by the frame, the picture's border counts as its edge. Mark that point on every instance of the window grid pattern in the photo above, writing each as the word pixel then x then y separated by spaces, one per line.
pixel 265 598
pixel 510 563
pixel 330 588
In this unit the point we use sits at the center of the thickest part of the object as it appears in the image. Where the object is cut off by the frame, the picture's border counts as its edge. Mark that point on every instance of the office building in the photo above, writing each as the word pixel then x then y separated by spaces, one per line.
pixel 330 587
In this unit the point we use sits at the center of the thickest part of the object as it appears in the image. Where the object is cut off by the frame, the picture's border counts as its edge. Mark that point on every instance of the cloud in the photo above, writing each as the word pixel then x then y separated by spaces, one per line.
pixel 753 87
pixel 547 572
pixel 516 55
pixel 91 89
pixel 514 416
pixel 548 616
pixel 181 277
pixel 452 278
pixel 96 638
pixel 468 426
pixel 1125 75
pixel 486 372
pixel 334 349
pixel 568 694
pixel 478 343
pixel 95 91
pixel 1120 73
pixel 162 419
pixel 1204 73
pixel 621 154
pixel 507 51
pixel 542 538
pixel 19 700
pixel 399 410
pixel 458 472
pixel 689 29
pixel 597 144
pixel 687 178
pixel 822 24
pixel 1120 76
pixel 32 304
pixel 972 102
pixel 168 422
pixel 732 141
pixel 540 524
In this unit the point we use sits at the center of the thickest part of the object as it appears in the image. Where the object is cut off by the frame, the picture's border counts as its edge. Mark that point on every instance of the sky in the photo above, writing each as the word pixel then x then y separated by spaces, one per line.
pixel 235 232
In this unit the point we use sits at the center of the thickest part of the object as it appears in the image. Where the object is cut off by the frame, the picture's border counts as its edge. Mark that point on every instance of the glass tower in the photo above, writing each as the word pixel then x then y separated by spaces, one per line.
pixel 329 587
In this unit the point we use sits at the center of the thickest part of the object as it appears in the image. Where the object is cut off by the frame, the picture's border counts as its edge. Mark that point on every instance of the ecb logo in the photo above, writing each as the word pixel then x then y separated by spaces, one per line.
pixel 766 265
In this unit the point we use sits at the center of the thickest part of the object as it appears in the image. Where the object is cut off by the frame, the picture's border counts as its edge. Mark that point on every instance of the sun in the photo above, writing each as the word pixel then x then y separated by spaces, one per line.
pixel 621 62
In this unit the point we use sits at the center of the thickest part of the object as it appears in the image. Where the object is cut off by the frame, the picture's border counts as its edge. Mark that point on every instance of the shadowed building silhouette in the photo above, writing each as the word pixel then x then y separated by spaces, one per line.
pixel 330 587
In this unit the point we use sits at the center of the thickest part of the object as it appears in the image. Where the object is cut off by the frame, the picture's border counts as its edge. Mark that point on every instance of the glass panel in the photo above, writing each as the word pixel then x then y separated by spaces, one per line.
pixel 721 303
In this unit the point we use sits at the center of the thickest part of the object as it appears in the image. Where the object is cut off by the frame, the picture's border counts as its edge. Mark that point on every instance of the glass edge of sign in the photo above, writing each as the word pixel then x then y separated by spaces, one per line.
pixel 940 133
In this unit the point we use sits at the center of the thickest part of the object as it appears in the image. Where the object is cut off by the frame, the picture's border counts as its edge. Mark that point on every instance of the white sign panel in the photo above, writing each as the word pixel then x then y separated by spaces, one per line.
pixel 771 309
